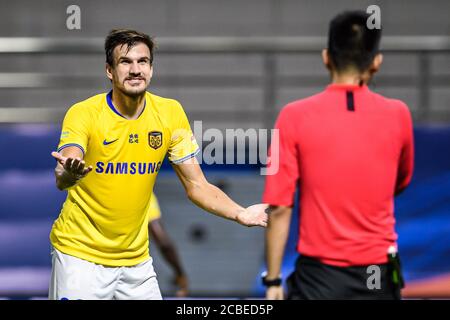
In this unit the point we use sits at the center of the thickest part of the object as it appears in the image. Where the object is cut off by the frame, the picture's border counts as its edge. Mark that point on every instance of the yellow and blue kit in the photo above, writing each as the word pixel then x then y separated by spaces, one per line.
pixel 104 218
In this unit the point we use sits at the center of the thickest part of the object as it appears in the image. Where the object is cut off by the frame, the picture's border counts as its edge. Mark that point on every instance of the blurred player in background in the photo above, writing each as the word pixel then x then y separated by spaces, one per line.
pixel 158 233
pixel 350 151
pixel 111 149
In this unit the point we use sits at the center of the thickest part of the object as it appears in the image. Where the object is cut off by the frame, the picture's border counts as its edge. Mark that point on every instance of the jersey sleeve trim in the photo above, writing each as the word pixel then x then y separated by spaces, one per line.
pixel 71 145
pixel 178 161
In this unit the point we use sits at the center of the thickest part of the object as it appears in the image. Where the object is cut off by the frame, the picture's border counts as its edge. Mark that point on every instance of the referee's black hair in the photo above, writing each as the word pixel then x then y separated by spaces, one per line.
pixel 350 43
pixel 126 37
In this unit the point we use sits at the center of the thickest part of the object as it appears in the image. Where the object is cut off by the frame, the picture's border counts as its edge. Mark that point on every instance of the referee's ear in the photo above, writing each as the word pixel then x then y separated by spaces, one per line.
pixel 326 59
pixel 376 63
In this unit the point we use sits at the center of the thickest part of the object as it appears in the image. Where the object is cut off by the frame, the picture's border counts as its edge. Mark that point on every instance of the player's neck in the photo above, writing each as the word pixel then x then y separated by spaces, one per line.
pixel 129 107
pixel 349 78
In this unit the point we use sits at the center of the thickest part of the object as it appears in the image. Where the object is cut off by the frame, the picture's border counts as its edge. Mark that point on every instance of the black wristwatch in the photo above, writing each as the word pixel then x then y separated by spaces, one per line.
pixel 270 283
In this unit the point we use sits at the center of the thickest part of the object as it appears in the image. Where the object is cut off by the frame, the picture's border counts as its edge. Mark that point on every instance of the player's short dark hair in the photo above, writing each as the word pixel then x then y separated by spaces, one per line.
pixel 126 37
pixel 351 43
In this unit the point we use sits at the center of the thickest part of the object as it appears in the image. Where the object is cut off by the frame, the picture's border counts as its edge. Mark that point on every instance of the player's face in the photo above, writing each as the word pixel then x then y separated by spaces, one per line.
pixel 132 70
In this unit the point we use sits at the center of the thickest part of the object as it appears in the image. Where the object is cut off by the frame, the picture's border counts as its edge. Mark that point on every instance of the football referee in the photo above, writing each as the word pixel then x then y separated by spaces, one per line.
pixel 350 151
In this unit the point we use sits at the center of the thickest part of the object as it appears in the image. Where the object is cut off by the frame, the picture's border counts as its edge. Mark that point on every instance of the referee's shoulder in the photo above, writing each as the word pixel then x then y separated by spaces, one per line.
pixel 399 104
pixel 302 105
pixel 394 104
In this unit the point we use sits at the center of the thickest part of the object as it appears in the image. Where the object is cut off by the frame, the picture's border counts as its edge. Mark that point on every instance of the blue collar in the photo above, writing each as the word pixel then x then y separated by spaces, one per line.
pixel 111 105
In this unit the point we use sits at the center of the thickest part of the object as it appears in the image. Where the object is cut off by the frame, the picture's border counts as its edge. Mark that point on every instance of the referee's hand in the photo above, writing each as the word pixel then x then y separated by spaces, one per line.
pixel 75 167
pixel 255 215
pixel 275 293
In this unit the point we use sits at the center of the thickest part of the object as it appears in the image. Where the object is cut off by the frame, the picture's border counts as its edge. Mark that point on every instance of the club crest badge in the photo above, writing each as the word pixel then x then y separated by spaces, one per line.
pixel 155 139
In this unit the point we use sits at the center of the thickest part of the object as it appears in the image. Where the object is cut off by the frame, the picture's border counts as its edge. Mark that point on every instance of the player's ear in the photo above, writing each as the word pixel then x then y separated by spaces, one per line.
pixel 376 63
pixel 326 59
pixel 109 71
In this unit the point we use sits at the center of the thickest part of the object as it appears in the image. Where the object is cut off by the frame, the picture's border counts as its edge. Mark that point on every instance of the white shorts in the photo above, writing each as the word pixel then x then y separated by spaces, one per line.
pixel 73 279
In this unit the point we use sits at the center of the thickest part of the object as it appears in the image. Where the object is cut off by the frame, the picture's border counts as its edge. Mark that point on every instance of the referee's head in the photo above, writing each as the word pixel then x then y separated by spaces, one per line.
pixel 352 46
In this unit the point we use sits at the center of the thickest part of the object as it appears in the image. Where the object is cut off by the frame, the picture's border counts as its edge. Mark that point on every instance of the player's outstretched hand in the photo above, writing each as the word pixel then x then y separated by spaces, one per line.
pixel 73 166
pixel 255 215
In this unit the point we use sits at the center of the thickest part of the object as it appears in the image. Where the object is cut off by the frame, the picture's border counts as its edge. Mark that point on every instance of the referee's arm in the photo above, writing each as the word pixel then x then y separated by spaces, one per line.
pixel 406 161
pixel 276 237
pixel 279 194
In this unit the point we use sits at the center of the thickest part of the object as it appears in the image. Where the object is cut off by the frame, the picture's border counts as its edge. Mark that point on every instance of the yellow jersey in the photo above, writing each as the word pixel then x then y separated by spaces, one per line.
pixel 105 216
pixel 154 211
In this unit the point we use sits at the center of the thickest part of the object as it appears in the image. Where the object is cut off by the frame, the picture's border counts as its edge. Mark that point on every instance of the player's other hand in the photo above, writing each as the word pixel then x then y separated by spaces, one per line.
pixel 76 167
pixel 255 215
pixel 181 282
pixel 275 293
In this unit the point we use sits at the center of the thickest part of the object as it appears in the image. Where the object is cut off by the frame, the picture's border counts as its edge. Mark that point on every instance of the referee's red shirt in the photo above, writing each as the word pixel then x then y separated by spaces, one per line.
pixel 350 150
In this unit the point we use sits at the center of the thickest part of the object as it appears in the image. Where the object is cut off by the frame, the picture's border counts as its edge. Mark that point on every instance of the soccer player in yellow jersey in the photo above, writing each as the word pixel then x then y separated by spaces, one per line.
pixel 110 151
pixel 159 235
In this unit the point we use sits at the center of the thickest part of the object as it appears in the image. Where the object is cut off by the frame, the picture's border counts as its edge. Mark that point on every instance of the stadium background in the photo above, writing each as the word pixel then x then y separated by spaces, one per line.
pixel 232 64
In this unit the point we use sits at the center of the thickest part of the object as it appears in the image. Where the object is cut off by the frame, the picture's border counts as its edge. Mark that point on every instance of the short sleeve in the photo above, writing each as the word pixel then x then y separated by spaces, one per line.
pixel 154 212
pixel 75 129
pixel 280 185
pixel 183 145
pixel 406 160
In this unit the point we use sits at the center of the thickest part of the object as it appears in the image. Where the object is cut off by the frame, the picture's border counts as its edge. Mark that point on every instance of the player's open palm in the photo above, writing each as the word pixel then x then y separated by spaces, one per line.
pixel 73 166
pixel 255 215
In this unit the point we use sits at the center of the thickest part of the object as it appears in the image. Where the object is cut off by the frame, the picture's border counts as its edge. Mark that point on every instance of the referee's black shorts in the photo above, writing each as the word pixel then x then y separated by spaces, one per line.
pixel 315 280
